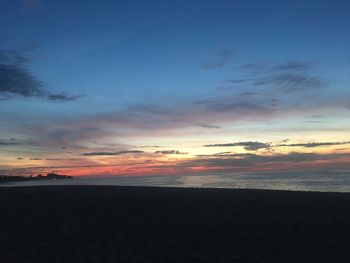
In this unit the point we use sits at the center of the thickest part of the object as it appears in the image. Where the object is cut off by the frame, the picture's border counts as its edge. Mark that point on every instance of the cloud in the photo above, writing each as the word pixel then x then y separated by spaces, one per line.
pixel 249 146
pixel 248 160
pixel 292 76
pixel 10 143
pixel 253 69
pixel 253 146
pixel 148 108
pixel 314 144
pixel 209 126
pixel 17 81
pixel 238 81
pixel 261 103
pixel 274 102
pixel 237 105
pixel 222 162
pixel 295 65
pixel 169 152
pixel 248 93
pixel 153 146
pixel 62 97
pixel 228 105
pixel 156 118
pixel 292 82
pixel 111 153
pixel 224 57
pixel 215 154
pixel 12 57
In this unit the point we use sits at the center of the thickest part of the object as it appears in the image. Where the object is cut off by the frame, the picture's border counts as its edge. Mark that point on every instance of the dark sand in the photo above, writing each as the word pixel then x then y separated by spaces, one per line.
pixel 136 224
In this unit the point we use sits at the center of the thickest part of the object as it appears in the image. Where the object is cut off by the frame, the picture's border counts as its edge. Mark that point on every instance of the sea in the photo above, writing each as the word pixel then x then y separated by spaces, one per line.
pixel 312 180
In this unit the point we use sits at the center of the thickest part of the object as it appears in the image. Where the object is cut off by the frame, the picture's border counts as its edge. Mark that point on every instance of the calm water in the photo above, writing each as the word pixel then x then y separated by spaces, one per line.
pixel 332 180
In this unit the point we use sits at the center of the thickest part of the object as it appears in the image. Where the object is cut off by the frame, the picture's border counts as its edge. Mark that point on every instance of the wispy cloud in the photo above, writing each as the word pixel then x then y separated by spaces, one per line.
pixel 292 82
pixel 163 119
pixel 249 145
pixel 291 76
pixel 252 69
pixel 158 118
pixel 111 153
pixel 253 145
pixel 275 161
pixel 221 162
pixel 169 152
pixel 208 126
pixel 235 104
pixel 295 65
pixel 2 143
pixel 10 142
pixel 62 97
pixel 35 159
pixel 314 144
pixel 154 146
pixel 223 57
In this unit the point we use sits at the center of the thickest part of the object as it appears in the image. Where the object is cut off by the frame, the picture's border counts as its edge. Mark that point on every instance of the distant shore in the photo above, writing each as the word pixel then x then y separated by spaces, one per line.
pixel 154 224
pixel 49 176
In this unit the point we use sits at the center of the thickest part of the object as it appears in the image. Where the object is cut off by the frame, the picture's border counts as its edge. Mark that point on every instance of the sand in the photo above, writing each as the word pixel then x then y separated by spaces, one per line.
pixel 149 224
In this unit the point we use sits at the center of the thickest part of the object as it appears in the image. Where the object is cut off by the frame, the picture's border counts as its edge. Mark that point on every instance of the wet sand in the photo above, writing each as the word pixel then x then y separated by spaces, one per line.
pixel 149 224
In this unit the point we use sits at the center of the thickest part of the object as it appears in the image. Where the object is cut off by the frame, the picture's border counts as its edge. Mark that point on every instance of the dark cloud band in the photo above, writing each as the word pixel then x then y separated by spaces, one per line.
pixel 250 146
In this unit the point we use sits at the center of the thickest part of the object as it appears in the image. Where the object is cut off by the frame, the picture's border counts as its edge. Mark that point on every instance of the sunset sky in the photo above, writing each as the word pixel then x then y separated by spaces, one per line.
pixel 174 87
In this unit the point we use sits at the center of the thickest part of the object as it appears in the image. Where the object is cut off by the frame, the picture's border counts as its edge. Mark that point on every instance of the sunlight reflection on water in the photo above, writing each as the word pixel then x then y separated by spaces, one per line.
pixel 333 180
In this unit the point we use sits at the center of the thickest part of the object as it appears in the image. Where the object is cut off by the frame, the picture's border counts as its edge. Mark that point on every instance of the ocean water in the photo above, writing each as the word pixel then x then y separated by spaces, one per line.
pixel 325 180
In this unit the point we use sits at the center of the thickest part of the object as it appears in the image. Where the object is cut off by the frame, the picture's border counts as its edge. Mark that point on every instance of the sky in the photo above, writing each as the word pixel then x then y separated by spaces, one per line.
pixel 96 88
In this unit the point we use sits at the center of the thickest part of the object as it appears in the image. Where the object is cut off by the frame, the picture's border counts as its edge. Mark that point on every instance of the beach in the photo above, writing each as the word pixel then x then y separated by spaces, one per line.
pixel 164 224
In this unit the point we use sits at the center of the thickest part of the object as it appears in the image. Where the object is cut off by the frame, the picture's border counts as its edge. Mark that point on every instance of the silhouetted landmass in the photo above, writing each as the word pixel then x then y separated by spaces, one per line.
pixel 140 224
pixel 49 176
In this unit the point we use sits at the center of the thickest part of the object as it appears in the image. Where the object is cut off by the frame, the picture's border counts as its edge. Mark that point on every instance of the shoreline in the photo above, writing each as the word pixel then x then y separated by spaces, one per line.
pixel 19 185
